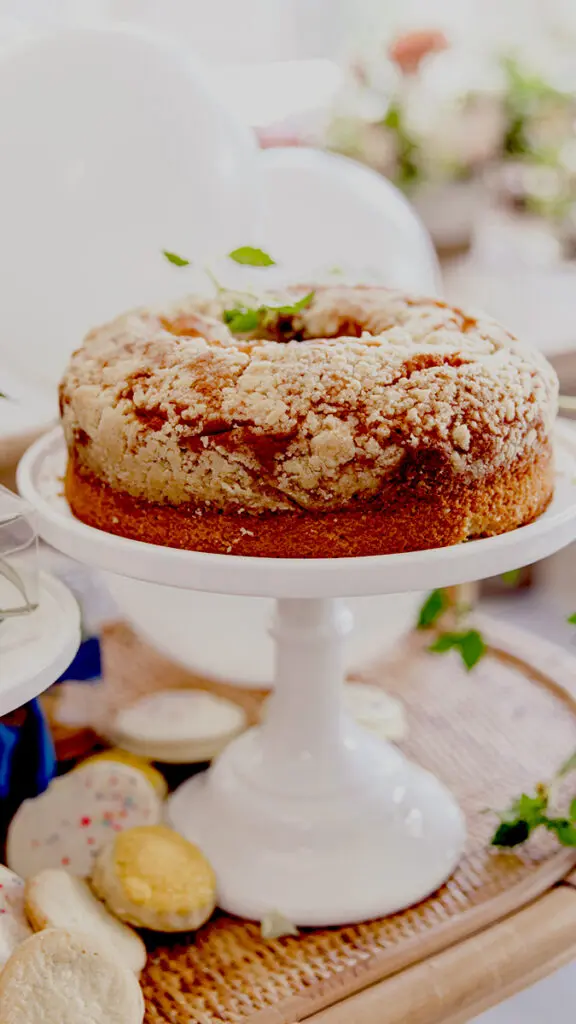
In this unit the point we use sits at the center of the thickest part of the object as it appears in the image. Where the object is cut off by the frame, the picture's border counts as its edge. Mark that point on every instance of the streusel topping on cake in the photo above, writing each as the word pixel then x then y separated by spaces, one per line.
pixel 313 410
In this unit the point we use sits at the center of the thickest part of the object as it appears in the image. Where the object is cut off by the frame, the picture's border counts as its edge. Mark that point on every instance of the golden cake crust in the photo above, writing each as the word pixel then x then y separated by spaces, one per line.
pixel 387 423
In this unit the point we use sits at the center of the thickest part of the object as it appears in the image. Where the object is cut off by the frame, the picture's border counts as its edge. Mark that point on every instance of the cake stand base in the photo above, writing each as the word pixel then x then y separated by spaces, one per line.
pixel 322 859
pixel 309 815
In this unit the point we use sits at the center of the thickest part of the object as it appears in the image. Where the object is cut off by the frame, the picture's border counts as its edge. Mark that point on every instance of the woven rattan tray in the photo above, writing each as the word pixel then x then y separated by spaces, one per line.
pixel 488 734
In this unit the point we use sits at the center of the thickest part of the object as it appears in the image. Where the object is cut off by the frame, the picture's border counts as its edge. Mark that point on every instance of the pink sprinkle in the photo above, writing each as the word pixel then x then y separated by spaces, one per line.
pixel 85 822
pixel 65 861
pixel 90 840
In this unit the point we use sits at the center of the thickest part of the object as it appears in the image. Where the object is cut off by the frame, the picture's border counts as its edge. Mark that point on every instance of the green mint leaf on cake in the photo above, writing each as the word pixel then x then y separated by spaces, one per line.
pixel 247 256
pixel 431 610
pixel 292 309
pixel 174 258
pixel 572 619
pixel 470 645
pixel 241 321
pixel 275 926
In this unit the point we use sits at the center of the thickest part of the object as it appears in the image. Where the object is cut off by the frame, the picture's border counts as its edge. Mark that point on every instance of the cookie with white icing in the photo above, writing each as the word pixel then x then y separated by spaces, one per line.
pixel 56 899
pixel 178 726
pixel 67 825
pixel 375 710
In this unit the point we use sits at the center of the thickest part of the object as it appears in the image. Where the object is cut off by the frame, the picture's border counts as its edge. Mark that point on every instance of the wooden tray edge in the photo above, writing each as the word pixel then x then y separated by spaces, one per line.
pixel 552 668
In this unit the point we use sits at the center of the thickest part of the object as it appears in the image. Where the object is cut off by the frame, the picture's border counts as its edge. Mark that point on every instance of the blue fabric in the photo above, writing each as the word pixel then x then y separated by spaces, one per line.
pixel 8 742
pixel 87 664
pixel 27 757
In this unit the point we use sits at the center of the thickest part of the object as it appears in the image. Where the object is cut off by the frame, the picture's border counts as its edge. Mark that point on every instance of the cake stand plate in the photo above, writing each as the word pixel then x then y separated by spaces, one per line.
pixel 40 476
pixel 36 648
pixel 309 815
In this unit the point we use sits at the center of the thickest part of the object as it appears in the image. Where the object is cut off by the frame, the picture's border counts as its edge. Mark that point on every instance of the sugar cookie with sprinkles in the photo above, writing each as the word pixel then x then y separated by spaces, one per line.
pixel 67 825
pixel 14 927
pixel 119 756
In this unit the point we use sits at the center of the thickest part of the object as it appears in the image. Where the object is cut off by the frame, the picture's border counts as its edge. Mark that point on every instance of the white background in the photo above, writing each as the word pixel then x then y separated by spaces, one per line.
pixel 260 31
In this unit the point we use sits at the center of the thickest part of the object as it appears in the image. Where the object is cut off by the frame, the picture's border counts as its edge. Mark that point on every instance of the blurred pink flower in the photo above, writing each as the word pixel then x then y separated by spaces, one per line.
pixel 409 50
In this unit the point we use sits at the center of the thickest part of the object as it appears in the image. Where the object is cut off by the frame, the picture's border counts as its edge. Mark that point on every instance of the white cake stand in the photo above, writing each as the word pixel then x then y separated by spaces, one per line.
pixel 308 815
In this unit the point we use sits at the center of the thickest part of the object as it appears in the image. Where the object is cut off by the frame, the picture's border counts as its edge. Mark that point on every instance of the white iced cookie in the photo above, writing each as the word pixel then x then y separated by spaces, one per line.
pixel 14 927
pixel 178 726
pixel 57 899
pixel 62 977
pixel 374 710
pixel 134 761
pixel 154 878
pixel 67 825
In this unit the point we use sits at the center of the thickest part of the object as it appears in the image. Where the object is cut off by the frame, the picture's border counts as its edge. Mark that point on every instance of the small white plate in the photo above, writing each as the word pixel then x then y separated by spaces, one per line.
pixel 36 648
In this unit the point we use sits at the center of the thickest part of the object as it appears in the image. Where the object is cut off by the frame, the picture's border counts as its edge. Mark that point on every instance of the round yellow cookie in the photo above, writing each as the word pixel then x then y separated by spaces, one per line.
pixel 152 877
pixel 134 761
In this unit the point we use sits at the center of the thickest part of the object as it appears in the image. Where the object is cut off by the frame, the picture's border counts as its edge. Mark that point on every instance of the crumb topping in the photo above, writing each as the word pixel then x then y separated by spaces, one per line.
pixel 312 410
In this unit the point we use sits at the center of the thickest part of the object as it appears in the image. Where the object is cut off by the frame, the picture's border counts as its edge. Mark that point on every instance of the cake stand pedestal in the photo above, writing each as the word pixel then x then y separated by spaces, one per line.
pixel 308 815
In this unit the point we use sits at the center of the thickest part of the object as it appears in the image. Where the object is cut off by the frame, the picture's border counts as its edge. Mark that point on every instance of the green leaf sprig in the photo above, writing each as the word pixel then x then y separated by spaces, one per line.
pixel 527 813
pixel 247 256
pixel 435 604
pixel 512 577
pixel 175 259
pixel 243 319
pixel 572 619
pixel 469 643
